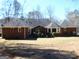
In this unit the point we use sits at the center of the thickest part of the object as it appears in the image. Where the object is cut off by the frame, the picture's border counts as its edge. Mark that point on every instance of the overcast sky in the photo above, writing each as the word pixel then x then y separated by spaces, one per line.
pixel 58 7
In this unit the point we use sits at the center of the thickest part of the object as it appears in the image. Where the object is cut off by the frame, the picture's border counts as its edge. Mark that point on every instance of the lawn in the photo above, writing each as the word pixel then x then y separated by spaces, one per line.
pixel 57 43
pixel 62 43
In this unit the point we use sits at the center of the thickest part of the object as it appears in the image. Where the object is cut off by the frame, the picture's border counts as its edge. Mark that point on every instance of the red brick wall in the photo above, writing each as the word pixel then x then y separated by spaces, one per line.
pixel 65 31
pixel 17 33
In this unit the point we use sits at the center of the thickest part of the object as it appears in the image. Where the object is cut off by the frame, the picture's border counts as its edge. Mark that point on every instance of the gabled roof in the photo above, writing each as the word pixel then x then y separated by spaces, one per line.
pixel 52 25
pixel 35 23
pixel 16 23
pixel 68 23
pixel 30 23
pixel 44 23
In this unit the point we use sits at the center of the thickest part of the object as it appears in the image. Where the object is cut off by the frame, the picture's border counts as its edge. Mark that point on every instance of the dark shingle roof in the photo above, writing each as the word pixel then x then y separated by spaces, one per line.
pixel 68 23
pixel 32 23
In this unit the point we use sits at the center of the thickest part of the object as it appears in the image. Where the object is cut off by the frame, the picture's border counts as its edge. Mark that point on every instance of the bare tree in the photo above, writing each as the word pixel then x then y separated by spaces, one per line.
pixel 7 10
pixel 39 14
pixel 73 16
pixel 35 15
pixel 22 10
pixel 10 8
pixel 51 15
pixel 50 12
pixel 17 8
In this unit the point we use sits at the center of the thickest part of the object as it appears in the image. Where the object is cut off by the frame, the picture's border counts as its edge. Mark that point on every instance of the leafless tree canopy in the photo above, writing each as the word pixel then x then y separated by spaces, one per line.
pixel 34 15
pixel 17 7
pixel 73 15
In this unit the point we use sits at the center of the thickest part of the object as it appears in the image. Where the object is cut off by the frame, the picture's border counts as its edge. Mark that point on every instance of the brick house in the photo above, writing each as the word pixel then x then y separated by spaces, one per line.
pixel 68 28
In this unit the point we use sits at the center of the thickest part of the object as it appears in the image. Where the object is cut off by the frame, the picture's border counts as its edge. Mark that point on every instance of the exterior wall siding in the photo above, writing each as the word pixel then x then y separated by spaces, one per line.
pixel 23 32
pixel 14 33
pixel 68 31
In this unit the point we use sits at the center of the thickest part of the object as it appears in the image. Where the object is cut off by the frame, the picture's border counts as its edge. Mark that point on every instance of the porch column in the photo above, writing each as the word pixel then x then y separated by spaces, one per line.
pixel 51 30
pixel 47 30
pixel 56 30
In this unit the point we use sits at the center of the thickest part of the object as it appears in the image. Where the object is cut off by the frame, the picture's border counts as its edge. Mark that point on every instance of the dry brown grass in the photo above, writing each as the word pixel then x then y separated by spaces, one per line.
pixel 60 43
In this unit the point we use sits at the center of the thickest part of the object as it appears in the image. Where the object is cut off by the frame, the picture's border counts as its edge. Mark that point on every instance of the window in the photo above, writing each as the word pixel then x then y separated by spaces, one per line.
pixel 49 30
pixel 19 29
pixel 53 30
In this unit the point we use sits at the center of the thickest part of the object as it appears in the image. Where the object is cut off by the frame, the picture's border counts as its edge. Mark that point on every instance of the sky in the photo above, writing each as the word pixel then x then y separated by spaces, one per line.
pixel 59 8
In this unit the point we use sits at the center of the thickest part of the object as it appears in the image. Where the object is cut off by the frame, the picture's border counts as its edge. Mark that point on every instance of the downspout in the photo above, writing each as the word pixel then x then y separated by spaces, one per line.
pixel 24 33
pixel 2 30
